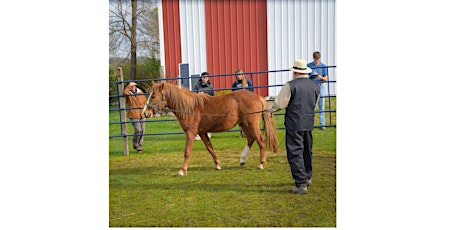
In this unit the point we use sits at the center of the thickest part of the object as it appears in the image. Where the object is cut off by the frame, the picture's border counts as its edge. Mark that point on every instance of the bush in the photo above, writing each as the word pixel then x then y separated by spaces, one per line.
pixel 147 68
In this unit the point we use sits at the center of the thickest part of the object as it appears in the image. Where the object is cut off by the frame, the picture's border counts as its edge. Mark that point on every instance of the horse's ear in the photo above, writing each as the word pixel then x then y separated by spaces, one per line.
pixel 162 85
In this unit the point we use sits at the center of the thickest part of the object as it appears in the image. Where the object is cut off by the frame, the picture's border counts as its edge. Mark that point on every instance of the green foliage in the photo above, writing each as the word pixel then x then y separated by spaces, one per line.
pixel 147 68
pixel 113 77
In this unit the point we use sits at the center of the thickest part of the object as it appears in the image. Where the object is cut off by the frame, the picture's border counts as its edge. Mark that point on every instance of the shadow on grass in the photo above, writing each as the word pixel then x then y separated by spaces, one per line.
pixel 275 177
pixel 187 186
pixel 208 168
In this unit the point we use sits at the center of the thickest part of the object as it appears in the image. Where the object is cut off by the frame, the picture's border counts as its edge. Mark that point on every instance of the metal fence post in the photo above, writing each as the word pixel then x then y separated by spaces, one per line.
pixel 121 103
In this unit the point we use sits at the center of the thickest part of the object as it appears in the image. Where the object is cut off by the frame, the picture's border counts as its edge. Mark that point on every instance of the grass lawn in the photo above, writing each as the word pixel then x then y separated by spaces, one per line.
pixel 144 191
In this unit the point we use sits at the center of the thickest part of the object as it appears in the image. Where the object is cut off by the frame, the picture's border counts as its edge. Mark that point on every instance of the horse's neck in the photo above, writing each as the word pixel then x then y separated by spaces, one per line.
pixel 180 102
pixel 171 95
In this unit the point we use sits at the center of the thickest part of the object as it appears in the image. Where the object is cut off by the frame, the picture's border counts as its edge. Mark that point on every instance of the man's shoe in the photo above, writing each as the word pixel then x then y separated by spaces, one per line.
pixel 197 138
pixel 323 127
pixel 299 189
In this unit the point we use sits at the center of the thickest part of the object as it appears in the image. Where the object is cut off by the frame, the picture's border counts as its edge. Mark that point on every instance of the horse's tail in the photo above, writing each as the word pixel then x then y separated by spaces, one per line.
pixel 271 138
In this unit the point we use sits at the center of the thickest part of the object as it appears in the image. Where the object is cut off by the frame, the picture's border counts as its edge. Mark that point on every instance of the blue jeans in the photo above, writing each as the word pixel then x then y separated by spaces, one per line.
pixel 322 115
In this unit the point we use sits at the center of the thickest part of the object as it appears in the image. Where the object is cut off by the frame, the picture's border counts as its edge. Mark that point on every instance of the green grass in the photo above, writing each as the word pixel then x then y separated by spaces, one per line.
pixel 145 192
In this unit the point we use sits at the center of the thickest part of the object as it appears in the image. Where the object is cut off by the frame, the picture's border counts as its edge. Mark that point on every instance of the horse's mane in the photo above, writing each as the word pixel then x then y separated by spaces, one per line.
pixel 183 101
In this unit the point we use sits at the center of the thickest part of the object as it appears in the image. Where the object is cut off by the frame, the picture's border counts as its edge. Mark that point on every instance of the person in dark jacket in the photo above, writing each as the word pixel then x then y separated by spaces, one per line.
pixel 204 85
pixel 299 97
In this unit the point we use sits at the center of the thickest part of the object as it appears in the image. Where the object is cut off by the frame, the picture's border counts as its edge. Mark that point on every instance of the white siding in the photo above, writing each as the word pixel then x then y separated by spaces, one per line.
pixel 297 28
pixel 161 35
pixel 193 35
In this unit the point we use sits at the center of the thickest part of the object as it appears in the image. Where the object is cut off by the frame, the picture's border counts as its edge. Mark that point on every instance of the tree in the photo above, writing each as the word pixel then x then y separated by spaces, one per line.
pixel 132 74
pixel 148 39
pixel 124 33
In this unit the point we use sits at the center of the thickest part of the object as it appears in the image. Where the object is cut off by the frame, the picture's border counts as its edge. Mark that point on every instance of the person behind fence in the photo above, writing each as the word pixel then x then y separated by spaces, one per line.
pixel 241 82
pixel 299 97
pixel 204 86
pixel 136 101
pixel 319 75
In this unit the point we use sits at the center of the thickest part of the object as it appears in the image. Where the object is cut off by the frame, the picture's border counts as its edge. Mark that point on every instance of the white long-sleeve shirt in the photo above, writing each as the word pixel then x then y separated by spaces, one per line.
pixel 283 98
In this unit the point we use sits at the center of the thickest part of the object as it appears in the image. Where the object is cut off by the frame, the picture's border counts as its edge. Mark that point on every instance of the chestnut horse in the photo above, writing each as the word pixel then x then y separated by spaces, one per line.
pixel 201 113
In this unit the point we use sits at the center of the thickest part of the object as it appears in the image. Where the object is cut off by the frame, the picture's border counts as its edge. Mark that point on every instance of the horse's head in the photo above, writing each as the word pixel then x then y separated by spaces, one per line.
pixel 156 100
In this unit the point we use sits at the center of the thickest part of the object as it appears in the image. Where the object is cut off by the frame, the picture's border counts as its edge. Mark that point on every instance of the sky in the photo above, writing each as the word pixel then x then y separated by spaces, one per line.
pixel 397 151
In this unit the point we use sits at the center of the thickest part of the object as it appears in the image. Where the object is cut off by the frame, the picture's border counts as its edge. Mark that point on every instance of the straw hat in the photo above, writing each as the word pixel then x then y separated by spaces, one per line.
pixel 300 66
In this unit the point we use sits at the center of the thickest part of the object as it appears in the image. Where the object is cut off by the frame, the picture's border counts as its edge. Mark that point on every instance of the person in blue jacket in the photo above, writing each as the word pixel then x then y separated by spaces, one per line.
pixel 241 82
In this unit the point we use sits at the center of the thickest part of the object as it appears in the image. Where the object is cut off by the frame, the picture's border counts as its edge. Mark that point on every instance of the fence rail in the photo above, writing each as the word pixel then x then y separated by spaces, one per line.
pixel 122 109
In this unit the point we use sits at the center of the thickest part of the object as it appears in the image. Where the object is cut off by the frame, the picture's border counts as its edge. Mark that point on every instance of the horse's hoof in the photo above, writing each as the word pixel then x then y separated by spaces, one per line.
pixel 242 163
pixel 217 168
pixel 181 173
pixel 261 167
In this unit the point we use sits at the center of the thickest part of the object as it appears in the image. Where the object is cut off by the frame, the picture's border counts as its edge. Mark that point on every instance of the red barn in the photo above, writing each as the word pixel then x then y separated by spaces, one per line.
pixel 253 35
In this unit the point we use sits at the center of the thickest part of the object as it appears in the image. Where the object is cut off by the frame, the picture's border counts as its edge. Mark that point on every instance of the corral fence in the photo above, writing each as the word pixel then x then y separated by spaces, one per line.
pixel 189 82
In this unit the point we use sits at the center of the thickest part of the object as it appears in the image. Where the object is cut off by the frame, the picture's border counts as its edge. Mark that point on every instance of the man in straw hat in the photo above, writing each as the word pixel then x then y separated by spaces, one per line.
pixel 136 101
pixel 299 97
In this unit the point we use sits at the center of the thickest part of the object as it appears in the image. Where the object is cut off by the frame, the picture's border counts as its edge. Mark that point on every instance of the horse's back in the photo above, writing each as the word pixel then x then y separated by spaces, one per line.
pixel 230 108
pixel 248 102
pixel 233 99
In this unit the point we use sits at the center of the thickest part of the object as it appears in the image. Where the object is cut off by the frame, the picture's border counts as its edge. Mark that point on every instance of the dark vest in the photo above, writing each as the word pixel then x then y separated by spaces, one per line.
pixel 300 112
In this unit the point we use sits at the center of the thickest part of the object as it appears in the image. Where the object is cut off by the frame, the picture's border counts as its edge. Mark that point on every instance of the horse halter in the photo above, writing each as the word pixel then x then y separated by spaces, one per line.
pixel 156 105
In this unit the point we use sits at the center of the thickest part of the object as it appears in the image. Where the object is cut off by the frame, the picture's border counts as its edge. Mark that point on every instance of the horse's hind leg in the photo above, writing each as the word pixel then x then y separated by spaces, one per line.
pixel 207 143
pixel 245 152
pixel 261 142
pixel 250 138
pixel 253 134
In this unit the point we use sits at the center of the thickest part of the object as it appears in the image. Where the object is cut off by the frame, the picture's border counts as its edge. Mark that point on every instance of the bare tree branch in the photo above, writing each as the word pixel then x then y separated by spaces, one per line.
pixel 120 28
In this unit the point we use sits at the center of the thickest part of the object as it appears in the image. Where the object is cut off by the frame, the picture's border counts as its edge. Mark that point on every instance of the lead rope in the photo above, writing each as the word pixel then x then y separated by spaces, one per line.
pixel 219 115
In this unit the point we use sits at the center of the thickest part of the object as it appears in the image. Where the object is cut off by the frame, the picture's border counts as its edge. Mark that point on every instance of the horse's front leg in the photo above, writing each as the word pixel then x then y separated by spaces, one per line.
pixel 189 139
pixel 207 142
pixel 254 134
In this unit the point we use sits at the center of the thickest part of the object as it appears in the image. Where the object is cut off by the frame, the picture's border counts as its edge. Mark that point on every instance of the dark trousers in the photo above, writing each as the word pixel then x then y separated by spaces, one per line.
pixel 299 153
